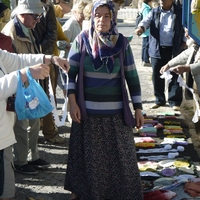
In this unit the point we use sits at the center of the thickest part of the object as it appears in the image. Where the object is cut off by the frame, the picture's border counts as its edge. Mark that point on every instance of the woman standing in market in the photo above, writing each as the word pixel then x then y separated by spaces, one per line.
pixel 102 161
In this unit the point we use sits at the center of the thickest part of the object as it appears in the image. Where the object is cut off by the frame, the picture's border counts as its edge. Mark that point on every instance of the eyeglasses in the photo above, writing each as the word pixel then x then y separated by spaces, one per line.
pixel 36 17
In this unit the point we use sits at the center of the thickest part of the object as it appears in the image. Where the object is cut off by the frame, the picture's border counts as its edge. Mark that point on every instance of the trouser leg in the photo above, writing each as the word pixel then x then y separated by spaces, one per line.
pixel 33 139
pixel 145 49
pixel 21 147
pixel 175 92
pixel 9 178
pixel 158 83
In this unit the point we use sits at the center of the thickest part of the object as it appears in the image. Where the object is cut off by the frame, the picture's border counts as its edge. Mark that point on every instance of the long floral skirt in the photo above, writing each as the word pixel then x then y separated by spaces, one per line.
pixel 102 161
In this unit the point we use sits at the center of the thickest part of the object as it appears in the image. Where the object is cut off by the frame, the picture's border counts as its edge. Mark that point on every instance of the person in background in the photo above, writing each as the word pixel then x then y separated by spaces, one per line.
pixel 71 29
pixel 9 64
pixel 26 154
pixel 145 9
pixel 166 40
pixel 73 25
pixel 87 15
pixel 4 15
pixel 62 7
pixel 46 31
pixel 102 161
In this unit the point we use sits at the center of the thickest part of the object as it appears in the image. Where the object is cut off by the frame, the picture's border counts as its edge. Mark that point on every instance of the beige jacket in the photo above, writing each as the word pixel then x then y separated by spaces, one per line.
pixel 22 44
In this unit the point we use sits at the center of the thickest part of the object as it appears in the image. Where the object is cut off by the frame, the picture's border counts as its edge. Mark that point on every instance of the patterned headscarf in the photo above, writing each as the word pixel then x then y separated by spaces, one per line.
pixel 102 47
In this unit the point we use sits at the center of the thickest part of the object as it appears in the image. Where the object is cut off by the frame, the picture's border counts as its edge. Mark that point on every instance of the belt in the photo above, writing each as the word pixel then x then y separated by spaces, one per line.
pixel 166 47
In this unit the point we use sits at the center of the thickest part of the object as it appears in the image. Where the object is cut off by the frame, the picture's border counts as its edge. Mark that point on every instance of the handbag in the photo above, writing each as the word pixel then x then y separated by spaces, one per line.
pixel 31 102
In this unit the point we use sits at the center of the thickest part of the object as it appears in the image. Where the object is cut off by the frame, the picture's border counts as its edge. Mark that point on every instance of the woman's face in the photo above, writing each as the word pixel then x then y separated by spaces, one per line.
pixel 102 19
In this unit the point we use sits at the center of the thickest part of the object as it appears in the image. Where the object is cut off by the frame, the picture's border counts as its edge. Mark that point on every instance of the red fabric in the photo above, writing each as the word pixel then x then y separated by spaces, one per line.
pixel 6 42
pixel 159 195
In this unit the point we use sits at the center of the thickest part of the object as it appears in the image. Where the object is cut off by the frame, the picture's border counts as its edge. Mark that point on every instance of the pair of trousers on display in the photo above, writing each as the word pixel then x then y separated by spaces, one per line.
pixel 175 95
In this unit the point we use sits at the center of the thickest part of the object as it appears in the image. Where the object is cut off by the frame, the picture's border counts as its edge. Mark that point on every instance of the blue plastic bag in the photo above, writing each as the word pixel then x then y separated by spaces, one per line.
pixel 31 102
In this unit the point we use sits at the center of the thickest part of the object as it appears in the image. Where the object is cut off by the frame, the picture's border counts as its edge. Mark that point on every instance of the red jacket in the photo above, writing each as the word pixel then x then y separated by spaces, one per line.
pixel 6 42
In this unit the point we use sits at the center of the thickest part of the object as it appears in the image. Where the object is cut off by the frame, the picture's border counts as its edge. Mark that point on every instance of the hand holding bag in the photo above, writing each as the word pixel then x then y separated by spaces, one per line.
pixel 31 102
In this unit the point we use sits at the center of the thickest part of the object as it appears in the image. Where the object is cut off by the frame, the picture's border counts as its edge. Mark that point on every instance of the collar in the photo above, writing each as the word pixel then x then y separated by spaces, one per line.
pixel 167 11
pixel 18 27
pixel 24 29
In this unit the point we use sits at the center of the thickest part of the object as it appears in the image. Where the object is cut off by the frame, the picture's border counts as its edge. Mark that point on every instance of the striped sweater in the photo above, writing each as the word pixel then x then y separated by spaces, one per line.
pixel 103 91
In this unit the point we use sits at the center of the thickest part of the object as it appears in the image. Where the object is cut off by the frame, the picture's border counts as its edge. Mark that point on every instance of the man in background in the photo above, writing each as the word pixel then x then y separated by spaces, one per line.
pixel 26 15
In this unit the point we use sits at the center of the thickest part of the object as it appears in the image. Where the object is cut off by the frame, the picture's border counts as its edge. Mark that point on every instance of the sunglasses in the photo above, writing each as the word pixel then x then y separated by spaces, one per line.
pixel 36 17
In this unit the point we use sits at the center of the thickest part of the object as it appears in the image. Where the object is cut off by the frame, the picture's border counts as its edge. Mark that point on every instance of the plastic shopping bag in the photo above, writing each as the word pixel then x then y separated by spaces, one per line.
pixel 31 102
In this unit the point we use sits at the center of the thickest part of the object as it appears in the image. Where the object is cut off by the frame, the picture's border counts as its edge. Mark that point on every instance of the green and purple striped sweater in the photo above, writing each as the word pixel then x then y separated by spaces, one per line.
pixel 103 91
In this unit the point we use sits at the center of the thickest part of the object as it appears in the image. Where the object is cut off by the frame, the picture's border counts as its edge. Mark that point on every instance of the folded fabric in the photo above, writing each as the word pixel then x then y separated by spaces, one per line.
pixel 148 134
pixel 159 194
pixel 145 144
pixel 171 127
pixel 172 123
pixel 144 139
pixel 147 165
pixel 192 188
pixel 147 129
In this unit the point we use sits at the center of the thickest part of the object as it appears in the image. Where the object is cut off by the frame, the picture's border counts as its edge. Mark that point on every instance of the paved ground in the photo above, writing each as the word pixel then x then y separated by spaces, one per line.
pixel 48 184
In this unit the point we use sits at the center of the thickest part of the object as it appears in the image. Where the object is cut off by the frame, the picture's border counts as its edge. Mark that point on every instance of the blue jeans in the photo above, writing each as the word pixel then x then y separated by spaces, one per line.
pixel 145 49
pixel 175 95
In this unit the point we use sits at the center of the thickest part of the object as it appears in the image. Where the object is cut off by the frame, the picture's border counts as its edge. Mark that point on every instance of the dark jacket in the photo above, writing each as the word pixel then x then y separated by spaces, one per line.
pixel 46 30
pixel 154 39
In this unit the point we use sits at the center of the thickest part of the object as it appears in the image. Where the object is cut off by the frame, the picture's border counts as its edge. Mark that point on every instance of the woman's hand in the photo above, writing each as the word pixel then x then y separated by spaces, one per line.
pixel 139 118
pixel 74 109
pixel 39 71
pixel 60 62
pixel 164 68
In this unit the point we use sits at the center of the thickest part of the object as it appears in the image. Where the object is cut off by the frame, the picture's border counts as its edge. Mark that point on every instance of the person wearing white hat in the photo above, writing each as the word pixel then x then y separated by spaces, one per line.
pixel 25 17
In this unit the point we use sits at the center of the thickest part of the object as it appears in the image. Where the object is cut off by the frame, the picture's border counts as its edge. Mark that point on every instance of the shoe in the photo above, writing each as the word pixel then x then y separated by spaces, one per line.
pixel 56 140
pixel 146 64
pixel 39 163
pixel 176 108
pixel 155 106
pixel 26 169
